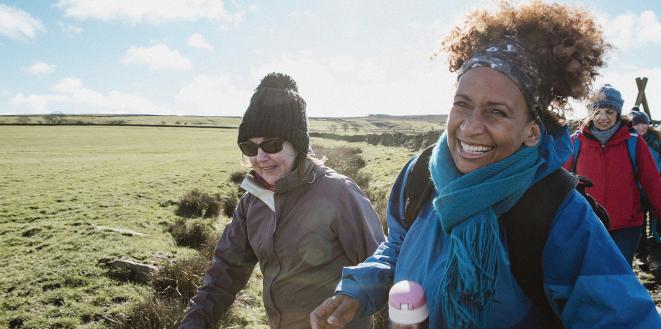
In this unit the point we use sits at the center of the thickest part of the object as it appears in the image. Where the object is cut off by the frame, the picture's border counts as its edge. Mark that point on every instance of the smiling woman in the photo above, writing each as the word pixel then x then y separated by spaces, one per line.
pixel 300 220
pixel 608 150
pixel 505 139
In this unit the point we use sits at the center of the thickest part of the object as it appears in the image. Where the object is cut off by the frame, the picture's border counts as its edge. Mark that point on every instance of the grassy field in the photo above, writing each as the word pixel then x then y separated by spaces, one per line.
pixel 364 125
pixel 62 186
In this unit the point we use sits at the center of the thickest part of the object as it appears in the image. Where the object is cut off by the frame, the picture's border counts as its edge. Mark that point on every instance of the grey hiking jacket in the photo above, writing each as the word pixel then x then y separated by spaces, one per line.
pixel 316 222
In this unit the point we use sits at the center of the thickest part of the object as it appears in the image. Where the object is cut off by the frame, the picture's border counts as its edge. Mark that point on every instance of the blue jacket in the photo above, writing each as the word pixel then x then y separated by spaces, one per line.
pixel 654 145
pixel 586 278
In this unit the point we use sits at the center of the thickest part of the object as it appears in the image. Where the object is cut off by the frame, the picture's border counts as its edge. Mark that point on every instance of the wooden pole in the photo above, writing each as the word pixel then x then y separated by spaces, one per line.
pixel 641 99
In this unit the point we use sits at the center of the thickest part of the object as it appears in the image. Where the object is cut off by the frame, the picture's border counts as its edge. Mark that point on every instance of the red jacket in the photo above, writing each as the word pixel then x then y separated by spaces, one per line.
pixel 610 169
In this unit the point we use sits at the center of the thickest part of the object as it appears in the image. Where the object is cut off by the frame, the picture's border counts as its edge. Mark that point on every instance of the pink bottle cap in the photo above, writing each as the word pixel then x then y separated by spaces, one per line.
pixel 407 303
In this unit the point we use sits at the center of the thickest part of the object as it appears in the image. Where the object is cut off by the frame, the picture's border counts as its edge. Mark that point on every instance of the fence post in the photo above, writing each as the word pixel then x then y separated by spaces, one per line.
pixel 641 99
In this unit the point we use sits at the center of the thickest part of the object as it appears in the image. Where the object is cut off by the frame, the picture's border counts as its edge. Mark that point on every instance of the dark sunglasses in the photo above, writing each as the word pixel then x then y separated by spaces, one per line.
pixel 270 146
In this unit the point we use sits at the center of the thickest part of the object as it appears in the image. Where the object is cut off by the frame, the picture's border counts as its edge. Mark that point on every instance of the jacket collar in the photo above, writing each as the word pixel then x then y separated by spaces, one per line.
pixel 305 173
pixel 620 136
pixel 251 186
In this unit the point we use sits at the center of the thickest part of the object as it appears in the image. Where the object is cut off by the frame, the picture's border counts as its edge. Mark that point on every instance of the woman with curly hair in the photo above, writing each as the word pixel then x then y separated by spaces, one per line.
pixel 505 138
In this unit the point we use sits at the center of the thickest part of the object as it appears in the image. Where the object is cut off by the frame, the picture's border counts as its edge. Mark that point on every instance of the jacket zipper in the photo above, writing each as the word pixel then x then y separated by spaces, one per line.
pixel 275 253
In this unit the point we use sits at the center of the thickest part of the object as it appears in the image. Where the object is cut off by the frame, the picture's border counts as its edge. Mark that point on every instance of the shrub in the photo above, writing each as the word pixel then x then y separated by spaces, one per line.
pixel 345 160
pixel 194 233
pixel 198 204
pixel 379 199
pixel 181 278
pixel 363 180
pixel 229 204
pixel 152 313
pixel 237 176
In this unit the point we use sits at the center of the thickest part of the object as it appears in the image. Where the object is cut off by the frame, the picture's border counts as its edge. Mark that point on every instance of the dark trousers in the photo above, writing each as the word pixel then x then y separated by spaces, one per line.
pixel 627 240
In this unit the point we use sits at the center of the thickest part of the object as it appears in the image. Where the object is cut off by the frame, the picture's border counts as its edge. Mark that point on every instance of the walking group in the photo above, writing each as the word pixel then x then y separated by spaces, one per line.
pixel 487 222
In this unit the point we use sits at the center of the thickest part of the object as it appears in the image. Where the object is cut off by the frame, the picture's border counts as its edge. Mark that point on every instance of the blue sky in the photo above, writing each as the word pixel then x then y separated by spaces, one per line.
pixel 205 57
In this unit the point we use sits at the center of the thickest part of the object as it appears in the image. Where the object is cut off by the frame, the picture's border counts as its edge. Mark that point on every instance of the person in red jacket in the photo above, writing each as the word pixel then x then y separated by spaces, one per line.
pixel 604 158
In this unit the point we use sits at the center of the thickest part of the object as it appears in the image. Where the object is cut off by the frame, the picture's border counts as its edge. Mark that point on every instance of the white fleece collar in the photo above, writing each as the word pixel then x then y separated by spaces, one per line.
pixel 259 192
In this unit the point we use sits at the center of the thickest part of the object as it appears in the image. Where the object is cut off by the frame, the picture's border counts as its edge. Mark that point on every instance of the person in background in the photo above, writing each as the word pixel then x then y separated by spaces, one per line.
pixel 301 221
pixel 641 122
pixel 516 69
pixel 603 153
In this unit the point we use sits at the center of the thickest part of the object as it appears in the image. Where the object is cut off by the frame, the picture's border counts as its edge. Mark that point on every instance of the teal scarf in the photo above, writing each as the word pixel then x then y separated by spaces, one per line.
pixel 468 207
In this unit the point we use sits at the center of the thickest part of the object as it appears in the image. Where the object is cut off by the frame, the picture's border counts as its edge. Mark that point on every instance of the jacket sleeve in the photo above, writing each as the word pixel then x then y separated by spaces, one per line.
pixel 231 267
pixel 587 280
pixel 358 227
pixel 370 280
pixel 648 176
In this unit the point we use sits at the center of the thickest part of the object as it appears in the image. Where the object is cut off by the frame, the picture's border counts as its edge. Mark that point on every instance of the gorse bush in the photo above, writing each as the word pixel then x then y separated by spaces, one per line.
pixel 194 233
pixel 152 313
pixel 181 278
pixel 237 176
pixel 379 199
pixel 345 160
pixel 229 204
pixel 174 284
pixel 410 141
pixel 198 204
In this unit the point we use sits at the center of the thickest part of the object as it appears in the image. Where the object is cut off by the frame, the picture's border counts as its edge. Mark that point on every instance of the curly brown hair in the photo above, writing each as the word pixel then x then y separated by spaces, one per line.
pixel 565 43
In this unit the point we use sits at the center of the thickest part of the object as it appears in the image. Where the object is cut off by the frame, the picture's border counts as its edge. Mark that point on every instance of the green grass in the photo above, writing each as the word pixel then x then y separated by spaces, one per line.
pixel 61 183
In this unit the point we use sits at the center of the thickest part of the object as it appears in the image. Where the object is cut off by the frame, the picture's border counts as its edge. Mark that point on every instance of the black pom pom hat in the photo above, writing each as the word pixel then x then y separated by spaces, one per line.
pixel 276 110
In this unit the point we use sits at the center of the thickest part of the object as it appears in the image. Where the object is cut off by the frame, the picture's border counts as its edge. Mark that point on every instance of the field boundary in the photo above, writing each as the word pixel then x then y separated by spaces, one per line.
pixel 115 125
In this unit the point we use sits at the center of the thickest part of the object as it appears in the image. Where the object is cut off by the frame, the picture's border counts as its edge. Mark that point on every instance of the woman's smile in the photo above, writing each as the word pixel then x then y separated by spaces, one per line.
pixel 473 151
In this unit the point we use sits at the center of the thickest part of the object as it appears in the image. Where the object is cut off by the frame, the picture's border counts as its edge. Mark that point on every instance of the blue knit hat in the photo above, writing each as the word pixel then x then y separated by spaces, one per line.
pixel 607 97
pixel 638 116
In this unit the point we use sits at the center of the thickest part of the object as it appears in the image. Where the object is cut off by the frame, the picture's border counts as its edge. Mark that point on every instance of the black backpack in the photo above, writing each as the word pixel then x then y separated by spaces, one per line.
pixel 525 237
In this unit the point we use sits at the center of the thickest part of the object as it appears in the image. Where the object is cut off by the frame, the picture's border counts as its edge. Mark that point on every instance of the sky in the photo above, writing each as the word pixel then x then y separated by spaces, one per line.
pixel 205 57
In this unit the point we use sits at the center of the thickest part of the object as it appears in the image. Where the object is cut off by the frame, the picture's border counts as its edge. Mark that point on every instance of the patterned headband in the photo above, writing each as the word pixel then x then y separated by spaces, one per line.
pixel 509 58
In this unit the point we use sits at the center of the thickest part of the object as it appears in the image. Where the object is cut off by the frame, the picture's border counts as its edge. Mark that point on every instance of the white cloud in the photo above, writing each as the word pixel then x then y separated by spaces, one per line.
pixel 67 85
pixel 630 31
pixel 40 68
pixel 303 14
pixel 198 41
pixel 210 95
pixel 18 24
pixel 149 11
pixel 69 28
pixel 347 86
pixel 156 57
pixel 70 96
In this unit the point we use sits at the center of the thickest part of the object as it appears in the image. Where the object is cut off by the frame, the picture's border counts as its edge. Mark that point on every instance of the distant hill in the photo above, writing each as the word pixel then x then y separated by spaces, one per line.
pixel 423 117
pixel 372 124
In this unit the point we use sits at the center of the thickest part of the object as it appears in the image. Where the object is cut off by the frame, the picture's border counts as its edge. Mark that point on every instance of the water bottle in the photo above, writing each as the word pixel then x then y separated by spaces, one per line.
pixel 407 306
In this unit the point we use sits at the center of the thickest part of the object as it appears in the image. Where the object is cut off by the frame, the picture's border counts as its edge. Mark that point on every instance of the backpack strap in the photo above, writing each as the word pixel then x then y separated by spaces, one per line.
pixel 419 187
pixel 526 238
pixel 632 143
pixel 576 142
